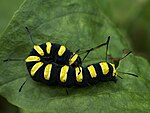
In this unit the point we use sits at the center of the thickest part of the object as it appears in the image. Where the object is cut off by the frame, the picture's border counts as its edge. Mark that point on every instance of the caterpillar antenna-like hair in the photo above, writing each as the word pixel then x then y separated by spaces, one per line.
pixel 31 37
pixel 23 84
pixel 126 55
pixel 94 48
pixel 13 59
pixel 128 73
pixel 107 47
pixel 77 51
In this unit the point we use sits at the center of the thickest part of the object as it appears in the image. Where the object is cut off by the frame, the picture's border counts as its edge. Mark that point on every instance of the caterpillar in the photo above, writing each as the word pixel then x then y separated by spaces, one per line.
pixel 67 76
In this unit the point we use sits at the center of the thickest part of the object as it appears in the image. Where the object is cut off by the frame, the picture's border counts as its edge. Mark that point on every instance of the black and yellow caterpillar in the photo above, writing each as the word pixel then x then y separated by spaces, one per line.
pixel 43 67
pixel 51 73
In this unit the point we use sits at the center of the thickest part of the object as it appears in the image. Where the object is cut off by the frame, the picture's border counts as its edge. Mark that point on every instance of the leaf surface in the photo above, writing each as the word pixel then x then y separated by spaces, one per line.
pixel 83 24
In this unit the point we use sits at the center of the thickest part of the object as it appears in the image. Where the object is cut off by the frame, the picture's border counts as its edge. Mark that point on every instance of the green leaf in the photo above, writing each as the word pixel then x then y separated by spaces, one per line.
pixel 128 9
pixel 7 9
pixel 83 24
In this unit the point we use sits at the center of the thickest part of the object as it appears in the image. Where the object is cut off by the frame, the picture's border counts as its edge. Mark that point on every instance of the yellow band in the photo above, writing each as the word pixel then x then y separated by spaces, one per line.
pixel 61 50
pixel 104 67
pixel 47 71
pixel 92 71
pixel 73 59
pixel 48 47
pixel 36 67
pixel 32 58
pixel 63 73
pixel 79 75
pixel 39 50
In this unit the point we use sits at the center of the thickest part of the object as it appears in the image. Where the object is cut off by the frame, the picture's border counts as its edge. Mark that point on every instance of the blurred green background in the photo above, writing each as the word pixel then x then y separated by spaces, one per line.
pixel 132 17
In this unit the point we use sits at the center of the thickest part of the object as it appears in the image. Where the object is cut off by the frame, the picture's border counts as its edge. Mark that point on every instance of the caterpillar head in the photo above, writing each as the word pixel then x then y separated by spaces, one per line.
pixel 116 64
